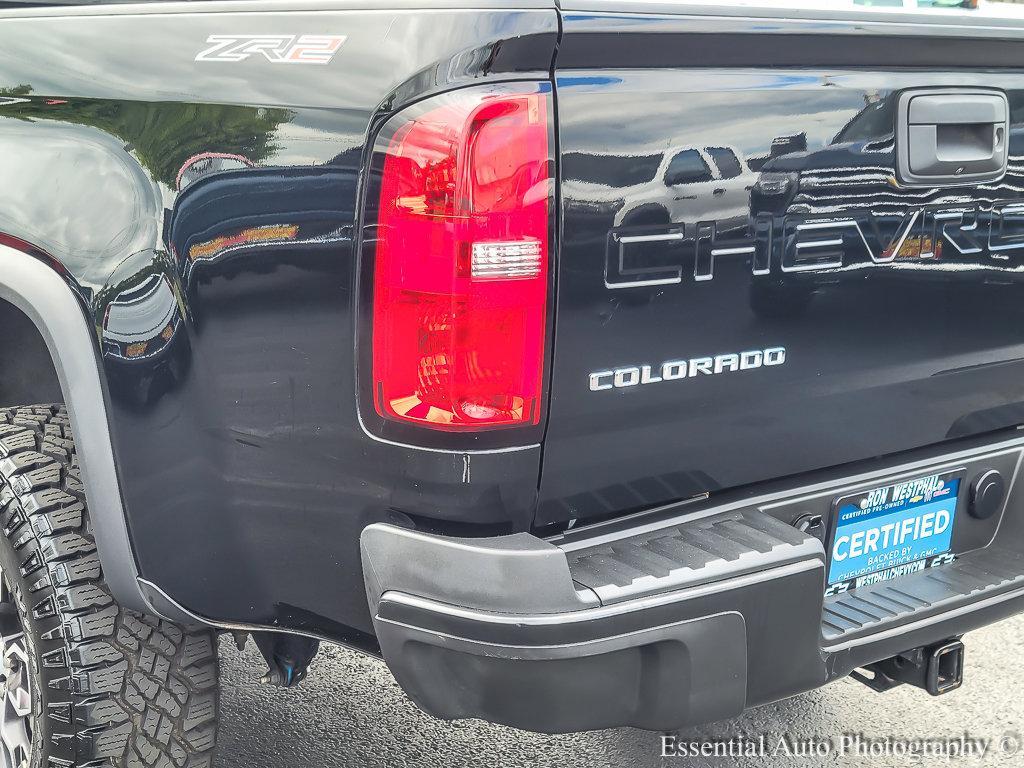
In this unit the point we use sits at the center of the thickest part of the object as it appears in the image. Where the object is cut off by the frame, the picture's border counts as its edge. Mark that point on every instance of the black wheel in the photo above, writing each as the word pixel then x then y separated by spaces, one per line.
pixel 85 682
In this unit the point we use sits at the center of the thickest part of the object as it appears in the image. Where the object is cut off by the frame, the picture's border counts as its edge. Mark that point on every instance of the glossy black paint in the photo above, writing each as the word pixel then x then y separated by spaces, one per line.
pixel 206 215
pixel 884 353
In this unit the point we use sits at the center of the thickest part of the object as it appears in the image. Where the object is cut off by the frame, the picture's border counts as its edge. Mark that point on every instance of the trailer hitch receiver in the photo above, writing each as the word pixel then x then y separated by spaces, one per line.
pixel 937 668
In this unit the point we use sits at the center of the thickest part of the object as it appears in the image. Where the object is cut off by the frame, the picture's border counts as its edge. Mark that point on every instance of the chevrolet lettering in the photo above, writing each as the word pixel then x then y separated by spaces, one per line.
pixel 802 243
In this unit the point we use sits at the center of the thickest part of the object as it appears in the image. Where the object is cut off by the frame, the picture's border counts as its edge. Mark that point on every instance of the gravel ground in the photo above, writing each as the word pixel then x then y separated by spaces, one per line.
pixel 350 712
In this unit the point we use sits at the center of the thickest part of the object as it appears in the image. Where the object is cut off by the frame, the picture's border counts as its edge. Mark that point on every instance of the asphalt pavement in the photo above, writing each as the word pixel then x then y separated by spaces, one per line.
pixel 350 712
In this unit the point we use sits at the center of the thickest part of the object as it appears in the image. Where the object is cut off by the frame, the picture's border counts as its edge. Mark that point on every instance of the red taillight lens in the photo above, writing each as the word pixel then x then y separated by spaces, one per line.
pixel 461 271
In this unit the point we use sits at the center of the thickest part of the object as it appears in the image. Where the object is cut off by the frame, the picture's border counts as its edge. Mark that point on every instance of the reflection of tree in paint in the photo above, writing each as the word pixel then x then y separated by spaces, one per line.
pixel 162 135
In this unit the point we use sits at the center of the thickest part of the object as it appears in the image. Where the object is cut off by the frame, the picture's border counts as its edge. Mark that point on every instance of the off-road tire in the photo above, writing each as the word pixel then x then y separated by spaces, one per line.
pixel 111 687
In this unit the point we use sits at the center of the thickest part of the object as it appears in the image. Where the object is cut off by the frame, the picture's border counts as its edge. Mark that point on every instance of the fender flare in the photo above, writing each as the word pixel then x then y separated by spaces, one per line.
pixel 52 306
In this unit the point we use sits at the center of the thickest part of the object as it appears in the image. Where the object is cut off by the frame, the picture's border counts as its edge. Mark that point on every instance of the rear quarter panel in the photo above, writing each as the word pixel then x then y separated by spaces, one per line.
pixel 245 472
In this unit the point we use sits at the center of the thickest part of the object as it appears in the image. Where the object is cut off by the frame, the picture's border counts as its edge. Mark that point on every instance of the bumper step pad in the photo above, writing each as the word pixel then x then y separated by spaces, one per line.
pixel 694 552
pixel 910 598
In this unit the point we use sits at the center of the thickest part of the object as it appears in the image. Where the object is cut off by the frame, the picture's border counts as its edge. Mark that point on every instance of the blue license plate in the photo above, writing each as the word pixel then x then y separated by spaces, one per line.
pixel 892 531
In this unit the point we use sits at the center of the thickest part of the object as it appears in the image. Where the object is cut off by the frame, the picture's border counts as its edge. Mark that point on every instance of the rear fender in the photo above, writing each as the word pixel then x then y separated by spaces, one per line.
pixel 74 204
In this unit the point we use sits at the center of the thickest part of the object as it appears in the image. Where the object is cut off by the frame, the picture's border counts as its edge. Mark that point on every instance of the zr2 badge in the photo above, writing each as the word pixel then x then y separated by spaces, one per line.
pixel 277 49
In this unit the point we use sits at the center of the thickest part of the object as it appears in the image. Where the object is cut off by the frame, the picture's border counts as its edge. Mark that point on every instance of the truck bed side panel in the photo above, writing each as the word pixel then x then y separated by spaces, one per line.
pixel 205 212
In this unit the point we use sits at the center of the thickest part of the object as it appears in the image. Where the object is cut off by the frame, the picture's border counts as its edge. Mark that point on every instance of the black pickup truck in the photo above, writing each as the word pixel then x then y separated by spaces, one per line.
pixel 594 362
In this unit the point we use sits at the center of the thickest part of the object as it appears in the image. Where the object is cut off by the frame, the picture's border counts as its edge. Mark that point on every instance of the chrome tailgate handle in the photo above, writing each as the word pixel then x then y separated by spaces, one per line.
pixel 950 137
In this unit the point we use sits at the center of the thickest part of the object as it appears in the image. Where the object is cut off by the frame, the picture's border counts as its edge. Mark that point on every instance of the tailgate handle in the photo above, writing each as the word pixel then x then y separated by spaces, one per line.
pixel 952 136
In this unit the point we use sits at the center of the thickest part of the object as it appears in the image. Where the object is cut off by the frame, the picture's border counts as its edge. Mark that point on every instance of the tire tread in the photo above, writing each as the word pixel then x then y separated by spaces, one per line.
pixel 120 689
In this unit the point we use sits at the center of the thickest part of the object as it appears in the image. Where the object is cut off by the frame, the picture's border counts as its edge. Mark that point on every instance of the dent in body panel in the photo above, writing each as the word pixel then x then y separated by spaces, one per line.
pixel 205 212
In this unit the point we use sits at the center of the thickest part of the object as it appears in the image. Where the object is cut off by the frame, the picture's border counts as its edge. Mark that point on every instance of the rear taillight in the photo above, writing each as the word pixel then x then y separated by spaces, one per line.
pixel 460 287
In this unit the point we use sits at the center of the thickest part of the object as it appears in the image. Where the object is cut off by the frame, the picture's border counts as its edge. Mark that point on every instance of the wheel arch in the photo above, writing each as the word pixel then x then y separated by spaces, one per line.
pixel 38 291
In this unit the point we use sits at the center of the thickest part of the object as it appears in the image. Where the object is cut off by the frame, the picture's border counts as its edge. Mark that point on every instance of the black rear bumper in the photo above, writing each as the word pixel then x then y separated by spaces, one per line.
pixel 685 618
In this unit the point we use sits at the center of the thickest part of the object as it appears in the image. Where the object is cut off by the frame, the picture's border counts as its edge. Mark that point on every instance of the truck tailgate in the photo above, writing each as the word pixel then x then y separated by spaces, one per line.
pixel 745 288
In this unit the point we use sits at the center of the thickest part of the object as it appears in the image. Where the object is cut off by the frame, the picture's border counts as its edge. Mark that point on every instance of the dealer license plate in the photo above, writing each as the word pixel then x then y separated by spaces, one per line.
pixel 892 531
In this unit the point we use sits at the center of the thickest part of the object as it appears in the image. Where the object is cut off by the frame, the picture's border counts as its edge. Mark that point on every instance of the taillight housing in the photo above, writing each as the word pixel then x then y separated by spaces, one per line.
pixel 462 199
